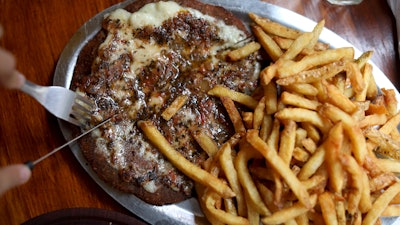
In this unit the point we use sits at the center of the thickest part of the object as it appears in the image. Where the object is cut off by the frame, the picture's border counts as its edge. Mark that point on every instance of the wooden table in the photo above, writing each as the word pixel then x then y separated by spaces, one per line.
pixel 37 31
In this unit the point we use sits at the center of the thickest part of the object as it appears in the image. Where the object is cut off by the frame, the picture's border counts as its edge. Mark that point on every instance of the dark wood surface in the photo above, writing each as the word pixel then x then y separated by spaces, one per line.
pixel 36 32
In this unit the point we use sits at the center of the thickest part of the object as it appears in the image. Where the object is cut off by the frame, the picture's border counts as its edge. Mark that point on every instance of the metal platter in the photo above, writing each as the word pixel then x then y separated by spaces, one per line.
pixel 187 212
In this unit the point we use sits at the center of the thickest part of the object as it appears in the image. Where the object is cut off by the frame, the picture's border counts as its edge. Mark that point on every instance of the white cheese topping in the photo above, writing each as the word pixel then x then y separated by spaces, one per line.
pixel 154 14
pixel 150 186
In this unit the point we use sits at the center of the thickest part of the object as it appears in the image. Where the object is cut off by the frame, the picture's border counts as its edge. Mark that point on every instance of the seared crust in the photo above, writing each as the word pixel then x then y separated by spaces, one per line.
pixel 120 178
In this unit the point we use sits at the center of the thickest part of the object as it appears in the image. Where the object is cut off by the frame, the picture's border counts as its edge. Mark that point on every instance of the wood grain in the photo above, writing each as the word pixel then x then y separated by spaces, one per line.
pixel 36 32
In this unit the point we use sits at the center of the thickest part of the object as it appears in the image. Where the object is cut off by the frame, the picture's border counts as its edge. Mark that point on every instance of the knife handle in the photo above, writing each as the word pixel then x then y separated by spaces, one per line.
pixel 29 164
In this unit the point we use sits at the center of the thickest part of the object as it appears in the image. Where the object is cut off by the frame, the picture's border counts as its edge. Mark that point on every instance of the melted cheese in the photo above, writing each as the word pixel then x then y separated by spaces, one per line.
pixel 154 14
pixel 150 186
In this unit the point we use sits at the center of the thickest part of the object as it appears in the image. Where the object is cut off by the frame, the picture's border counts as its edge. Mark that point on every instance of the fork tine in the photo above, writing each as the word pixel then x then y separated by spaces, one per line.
pixel 85 100
pixel 79 116
pixel 81 109
pixel 79 113
pixel 79 106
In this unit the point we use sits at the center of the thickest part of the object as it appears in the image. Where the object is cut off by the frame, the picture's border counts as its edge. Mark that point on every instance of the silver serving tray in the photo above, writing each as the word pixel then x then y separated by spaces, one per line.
pixel 186 212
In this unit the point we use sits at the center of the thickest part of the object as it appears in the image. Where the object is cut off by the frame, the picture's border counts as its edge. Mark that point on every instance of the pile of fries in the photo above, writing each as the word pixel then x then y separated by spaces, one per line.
pixel 306 150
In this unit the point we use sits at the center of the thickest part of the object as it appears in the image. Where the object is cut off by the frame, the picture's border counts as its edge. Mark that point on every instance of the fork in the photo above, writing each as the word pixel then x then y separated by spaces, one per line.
pixel 61 102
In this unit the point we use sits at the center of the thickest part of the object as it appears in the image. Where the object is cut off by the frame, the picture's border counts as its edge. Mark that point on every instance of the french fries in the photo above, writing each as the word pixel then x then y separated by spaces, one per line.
pixel 304 149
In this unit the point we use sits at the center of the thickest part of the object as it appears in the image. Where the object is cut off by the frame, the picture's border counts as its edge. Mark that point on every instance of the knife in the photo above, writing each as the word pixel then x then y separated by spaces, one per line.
pixel 32 164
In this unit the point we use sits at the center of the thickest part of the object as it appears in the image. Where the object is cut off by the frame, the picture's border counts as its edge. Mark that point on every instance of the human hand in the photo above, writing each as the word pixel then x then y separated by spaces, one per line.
pixel 9 76
pixel 13 176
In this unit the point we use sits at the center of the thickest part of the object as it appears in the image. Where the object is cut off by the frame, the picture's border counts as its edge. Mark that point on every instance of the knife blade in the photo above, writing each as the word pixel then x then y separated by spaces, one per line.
pixel 32 164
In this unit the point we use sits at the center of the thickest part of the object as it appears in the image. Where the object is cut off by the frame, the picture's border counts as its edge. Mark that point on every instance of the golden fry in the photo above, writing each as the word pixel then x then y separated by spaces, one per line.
pixel 227 166
pixel 258 115
pixel 303 89
pixel 382 181
pixel 172 109
pixel 289 213
pixel 389 165
pixel 363 59
pixel 337 98
pixel 389 96
pixel 372 90
pixel 391 124
pixel 205 142
pixel 241 98
pixel 301 115
pixel 373 120
pixel 285 43
pixel 312 165
pixel 271 98
pixel 248 119
pixel 316 32
pixel 355 171
pixel 299 101
pixel 309 145
pixel 367 76
pixel 365 201
pixel 300 154
pixel 328 208
pixel 356 79
pixel 312 132
pixel 320 58
pixel 274 28
pixel 267 74
pixel 233 114
pixel 381 203
pixel 333 145
pixel 297 46
pixel 266 127
pixel 268 44
pixel 252 215
pixel 287 141
pixel 313 75
pixel 391 210
pixel 224 217
pixel 243 51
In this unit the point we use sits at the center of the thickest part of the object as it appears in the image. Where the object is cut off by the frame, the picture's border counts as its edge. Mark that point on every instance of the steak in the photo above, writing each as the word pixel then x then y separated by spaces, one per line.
pixel 134 68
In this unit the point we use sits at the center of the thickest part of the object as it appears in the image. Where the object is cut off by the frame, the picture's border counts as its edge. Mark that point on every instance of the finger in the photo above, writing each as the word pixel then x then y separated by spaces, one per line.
pixel 15 81
pixel 13 176
pixel 7 64
pixel 9 77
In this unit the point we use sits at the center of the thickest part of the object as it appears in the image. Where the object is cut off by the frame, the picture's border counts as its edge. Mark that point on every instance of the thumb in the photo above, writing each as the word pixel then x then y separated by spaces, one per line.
pixel 12 176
